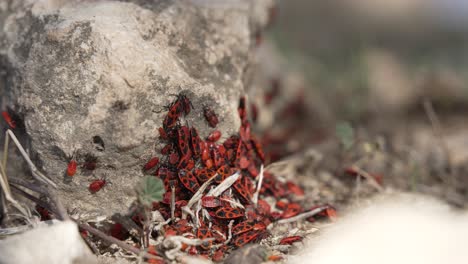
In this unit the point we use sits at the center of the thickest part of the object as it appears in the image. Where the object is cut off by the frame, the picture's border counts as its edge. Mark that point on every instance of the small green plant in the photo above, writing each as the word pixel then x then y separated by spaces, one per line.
pixel 345 133
pixel 150 189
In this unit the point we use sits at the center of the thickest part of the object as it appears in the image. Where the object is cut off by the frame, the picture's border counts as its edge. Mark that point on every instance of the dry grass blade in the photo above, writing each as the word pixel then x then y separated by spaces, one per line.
pixel 35 172
pixel 224 185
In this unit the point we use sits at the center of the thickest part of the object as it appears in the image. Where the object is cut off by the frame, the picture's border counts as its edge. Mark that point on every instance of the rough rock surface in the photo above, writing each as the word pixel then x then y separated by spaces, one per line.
pixel 92 78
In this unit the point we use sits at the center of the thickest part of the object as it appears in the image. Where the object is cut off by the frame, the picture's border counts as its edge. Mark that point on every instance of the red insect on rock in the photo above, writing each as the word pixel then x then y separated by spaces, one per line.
pixel 167 149
pixel 71 167
pixel 170 121
pixel 97 185
pixel 162 133
pixel 292 209
pixel 188 180
pixel 183 136
pixel 214 136
pixel 290 240
pixel 9 120
pixel 186 104
pixel 210 117
pixel 211 202
pixel 153 162
pixel 228 213
pixel 181 105
pixel 195 142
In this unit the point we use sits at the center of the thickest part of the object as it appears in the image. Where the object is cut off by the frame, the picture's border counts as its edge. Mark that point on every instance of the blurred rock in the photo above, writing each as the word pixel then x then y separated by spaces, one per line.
pixel 250 254
pixel 59 243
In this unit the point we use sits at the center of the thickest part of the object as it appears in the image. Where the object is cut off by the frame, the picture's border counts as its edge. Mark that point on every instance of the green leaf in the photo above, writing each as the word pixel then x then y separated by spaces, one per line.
pixel 345 134
pixel 150 189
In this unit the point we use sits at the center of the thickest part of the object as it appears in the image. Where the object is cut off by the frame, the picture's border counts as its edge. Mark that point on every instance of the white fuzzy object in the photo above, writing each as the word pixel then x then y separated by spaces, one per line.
pixel 402 229
pixel 59 243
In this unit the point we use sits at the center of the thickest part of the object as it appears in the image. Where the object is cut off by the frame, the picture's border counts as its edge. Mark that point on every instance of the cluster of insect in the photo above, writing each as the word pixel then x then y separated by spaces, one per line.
pixel 217 190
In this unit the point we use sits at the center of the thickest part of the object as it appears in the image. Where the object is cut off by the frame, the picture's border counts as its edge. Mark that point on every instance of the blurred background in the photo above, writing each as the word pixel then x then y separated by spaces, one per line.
pixel 384 54
pixel 385 80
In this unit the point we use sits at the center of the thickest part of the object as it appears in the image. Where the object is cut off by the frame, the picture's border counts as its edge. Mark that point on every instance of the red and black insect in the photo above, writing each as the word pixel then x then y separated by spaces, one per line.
pixel 210 116
pixel 248 237
pixel 186 104
pixel 174 158
pixel 153 162
pixel 181 105
pixel 204 174
pixel 217 158
pixel 195 142
pixel 241 190
pixel 167 149
pixel 214 136
pixel 204 232
pixel 242 227
pixel 188 180
pixel 9 119
pixel 228 213
pixel 183 136
pixel 289 240
pixel 223 172
pixel 292 209
pixel 97 185
pixel 242 109
pixel 244 132
pixel 182 226
pixel 186 162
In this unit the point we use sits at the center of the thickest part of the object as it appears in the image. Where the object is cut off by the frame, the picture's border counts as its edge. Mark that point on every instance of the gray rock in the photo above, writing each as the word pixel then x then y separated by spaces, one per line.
pixel 83 73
